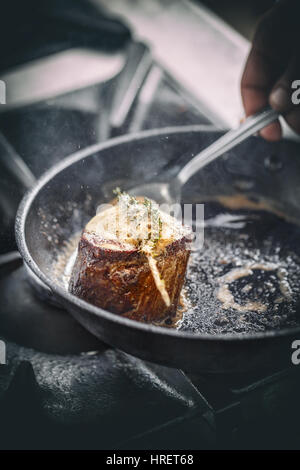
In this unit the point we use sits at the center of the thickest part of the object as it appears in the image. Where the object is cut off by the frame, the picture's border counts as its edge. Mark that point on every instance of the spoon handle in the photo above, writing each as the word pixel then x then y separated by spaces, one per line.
pixel 229 140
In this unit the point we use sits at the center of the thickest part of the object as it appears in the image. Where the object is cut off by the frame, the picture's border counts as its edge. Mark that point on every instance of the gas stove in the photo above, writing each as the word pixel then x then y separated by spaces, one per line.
pixel 61 388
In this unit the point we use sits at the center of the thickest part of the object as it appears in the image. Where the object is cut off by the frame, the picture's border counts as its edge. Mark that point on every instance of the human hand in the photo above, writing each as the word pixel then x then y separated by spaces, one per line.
pixel 273 65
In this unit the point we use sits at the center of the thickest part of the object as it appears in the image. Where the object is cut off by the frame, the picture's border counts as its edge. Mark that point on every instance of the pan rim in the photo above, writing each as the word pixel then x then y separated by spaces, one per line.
pixel 68 298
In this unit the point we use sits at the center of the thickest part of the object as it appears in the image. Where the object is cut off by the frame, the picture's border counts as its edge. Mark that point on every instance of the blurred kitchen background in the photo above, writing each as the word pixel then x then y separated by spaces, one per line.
pixel 242 16
pixel 77 72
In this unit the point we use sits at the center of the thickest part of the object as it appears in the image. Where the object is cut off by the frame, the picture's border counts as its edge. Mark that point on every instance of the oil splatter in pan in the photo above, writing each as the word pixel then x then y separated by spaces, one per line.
pixel 246 278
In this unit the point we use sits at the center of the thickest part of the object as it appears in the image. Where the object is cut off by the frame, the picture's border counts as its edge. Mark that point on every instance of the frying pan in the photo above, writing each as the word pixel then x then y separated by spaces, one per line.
pixel 66 197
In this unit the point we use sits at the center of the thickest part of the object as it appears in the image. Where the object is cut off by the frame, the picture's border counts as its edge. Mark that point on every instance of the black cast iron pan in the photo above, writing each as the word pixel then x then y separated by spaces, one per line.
pixel 67 196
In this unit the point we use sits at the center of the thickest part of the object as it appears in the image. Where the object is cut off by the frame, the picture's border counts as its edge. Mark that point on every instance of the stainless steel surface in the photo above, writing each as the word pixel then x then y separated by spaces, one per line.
pixel 57 74
pixel 203 53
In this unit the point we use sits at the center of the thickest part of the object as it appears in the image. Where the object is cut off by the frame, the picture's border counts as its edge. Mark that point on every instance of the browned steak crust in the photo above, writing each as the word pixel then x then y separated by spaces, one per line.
pixel 117 278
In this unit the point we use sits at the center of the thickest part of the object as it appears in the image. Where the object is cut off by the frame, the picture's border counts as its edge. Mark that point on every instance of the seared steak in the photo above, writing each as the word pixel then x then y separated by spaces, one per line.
pixel 132 260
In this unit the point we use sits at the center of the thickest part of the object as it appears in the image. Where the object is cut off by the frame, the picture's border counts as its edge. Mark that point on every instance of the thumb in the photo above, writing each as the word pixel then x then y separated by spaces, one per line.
pixel 281 95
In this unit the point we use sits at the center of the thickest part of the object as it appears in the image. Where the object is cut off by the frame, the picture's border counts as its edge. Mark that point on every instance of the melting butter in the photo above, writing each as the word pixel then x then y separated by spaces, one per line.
pixel 139 224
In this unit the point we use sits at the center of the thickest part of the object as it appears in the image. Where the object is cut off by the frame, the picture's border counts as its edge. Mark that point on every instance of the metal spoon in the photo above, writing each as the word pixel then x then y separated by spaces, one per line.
pixel 169 192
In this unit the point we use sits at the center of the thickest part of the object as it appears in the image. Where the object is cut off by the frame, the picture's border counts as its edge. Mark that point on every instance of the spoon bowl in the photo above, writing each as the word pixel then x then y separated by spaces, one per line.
pixel 161 192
